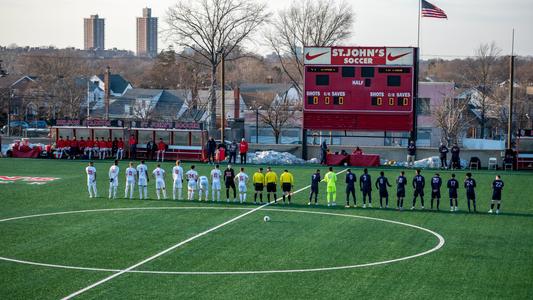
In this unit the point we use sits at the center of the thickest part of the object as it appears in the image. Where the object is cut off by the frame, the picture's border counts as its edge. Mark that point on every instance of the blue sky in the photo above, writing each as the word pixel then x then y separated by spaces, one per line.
pixel 378 22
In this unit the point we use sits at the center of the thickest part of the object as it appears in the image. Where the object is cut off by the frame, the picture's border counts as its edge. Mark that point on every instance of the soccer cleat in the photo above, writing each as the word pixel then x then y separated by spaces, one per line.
pixel 490 211
pixel 451 208
pixel 497 211
pixel 328 204
pixel 456 208
pixel 364 205
pixel 227 200
pixel 347 206
pixel 386 206
pixel 369 204
pixel 334 203
pixel 380 207
pixel 422 207
pixel 316 203
pixel 412 208
pixel 309 203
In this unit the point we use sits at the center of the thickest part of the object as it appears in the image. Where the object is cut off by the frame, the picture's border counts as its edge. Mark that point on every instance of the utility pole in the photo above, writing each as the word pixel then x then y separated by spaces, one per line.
pixel 511 94
pixel 223 94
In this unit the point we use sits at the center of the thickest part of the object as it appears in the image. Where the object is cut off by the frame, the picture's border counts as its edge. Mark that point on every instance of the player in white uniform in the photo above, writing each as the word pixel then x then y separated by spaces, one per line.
pixel 215 182
pixel 192 178
pixel 159 175
pixel 177 175
pixel 131 173
pixel 113 179
pixel 91 179
pixel 203 187
pixel 241 180
pixel 142 175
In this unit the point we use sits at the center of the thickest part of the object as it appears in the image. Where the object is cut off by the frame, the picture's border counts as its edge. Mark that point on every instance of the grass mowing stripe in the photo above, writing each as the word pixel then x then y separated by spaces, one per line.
pixel 79 292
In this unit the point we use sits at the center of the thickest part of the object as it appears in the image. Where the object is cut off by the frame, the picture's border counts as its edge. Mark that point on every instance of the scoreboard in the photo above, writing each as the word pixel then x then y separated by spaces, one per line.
pixel 359 88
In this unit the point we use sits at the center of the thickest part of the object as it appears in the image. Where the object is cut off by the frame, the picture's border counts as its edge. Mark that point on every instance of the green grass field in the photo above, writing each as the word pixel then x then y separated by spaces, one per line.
pixel 484 256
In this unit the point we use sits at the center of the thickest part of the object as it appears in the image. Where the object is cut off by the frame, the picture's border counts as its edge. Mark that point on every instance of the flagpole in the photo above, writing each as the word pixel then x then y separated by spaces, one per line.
pixel 418 37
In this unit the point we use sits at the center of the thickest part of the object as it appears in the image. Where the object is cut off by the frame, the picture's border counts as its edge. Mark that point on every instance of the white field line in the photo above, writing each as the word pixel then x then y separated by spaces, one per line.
pixel 79 292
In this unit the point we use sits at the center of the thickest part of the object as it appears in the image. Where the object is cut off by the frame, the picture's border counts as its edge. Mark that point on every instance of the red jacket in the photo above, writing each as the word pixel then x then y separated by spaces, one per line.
pixel 243 147
pixel 120 144
pixel 161 146
pixel 132 141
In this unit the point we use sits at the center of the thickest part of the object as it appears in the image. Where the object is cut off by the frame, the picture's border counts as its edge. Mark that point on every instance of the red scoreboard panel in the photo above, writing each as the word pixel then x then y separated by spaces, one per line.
pixel 359 88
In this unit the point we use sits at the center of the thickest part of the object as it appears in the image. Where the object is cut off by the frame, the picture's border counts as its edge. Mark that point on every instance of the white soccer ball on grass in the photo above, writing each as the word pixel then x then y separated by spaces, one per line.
pixel 266 218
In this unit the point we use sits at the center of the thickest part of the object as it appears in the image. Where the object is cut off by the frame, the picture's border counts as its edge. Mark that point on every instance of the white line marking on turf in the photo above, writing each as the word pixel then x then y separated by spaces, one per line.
pixel 437 247
pixel 174 247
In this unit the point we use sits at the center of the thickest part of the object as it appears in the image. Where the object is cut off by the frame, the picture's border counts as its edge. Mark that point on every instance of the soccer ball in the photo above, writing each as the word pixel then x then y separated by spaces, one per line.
pixel 266 218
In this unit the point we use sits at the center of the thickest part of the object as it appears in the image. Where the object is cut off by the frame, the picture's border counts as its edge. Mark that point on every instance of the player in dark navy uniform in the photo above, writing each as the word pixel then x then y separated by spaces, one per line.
pixel 453 185
pixel 350 187
pixel 497 187
pixel 401 181
pixel 436 183
pixel 381 184
pixel 419 182
pixel 470 186
pixel 315 180
pixel 365 184
pixel 229 180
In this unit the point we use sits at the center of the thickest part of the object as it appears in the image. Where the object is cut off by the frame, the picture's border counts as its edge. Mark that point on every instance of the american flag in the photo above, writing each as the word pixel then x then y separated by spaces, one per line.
pixel 431 11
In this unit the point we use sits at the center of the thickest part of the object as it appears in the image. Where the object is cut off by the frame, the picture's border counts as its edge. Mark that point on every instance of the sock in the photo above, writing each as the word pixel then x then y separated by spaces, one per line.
pixel 422 201
pixel 386 201
pixel 261 197
pixel 218 195
pixel 283 198
pixel 380 201
pixel 140 192
pixel 255 197
pixel 474 201
pixel 90 192
pixel 491 205
pixel 328 197
pixel 468 200
pixel 334 196
pixel 227 194
pixel 497 206
pixel 438 203
pixel 268 197
pixel 164 194
pixel 289 198
pixel 145 192
pixel 96 193
pixel 157 193
pixel 244 197
pixel 275 198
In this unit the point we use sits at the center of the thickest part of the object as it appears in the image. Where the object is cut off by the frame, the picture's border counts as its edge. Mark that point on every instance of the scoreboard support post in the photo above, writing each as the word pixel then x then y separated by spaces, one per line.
pixel 414 132
pixel 304 143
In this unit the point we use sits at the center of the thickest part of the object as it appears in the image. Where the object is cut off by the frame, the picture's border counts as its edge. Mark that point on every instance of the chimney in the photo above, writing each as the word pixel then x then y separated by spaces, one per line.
pixel 107 91
pixel 237 103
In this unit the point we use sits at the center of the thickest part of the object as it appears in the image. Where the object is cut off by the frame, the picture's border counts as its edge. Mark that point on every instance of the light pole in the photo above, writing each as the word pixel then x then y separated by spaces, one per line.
pixel 256 122
pixel 221 52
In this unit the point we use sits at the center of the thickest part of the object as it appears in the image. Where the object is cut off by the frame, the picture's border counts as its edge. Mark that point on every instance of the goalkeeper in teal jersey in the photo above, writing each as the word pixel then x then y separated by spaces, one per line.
pixel 331 191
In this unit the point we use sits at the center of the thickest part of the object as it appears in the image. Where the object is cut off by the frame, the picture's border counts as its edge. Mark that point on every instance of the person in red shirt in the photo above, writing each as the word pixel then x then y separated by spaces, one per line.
pixel 82 145
pixel 243 150
pixel 60 144
pixel 74 148
pixel 102 145
pixel 133 147
pixel 120 149
pixel 161 147
pixel 357 151
pixel 89 144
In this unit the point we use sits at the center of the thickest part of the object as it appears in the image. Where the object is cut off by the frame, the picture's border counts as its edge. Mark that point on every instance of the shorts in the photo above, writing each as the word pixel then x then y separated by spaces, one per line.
pixel 470 196
pixel 286 187
pixel 314 189
pixel 350 189
pixel 400 193
pixel 453 194
pixel 203 186
pixel 142 181
pixel 435 194
pixel 230 184
pixel 242 188
pixel 383 193
pixel 496 196
pixel 367 192
pixel 91 182
pixel 191 185
pixel 271 187
pixel 160 184
pixel 419 193
pixel 130 181
pixel 113 182
pixel 215 185
pixel 178 184
pixel 495 202
pixel 330 189
pixel 259 187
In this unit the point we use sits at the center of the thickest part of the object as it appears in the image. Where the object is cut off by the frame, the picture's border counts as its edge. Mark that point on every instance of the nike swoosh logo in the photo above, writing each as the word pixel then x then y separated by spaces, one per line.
pixel 311 57
pixel 393 58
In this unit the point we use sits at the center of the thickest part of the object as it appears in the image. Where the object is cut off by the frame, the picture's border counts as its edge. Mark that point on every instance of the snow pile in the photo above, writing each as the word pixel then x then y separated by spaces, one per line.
pixel 274 158
pixel 313 160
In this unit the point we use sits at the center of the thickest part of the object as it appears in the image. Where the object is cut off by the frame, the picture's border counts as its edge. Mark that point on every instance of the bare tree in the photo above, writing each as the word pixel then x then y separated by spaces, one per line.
pixel 452 118
pixel 481 76
pixel 311 23
pixel 213 29
pixel 276 113
pixel 142 110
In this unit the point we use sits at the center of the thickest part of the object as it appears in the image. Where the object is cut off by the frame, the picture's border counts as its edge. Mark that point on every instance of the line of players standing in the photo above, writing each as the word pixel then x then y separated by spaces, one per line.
pixel 418 183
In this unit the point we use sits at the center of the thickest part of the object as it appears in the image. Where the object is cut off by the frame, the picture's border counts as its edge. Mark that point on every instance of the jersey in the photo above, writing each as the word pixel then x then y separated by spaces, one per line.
pixel 91 174
pixel 271 177
pixel 330 178
pixel 113 174
pixel 381 183
pixel 258 178
pixel 419 182
pixel 365 182
pixel 400 182
pixel 159 174
pixel 142 169
pixel 130 174
pixel 177 173
pixel 192 176
pixel 242 178
pixel 453 185
pixel 215 175
pixel 350 181
pixel 315 180
pixel 497 187
pixel 470 185
pixel 436 183
pixel 229 176
pixel 286 177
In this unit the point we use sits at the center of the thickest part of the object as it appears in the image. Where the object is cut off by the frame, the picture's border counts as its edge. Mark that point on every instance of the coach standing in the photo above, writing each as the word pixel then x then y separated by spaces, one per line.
pixel 133 147
pixel 443 153
pixel 456 161
pixel 323 152
pixel 211 148
pixel 411 154
pixel 243 150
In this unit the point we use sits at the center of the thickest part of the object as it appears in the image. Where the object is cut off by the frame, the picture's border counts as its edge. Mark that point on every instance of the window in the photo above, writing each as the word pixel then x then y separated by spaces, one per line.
pixel 322 80
pixel 423 106
pixel 348 71
pixel 367 72
pixel 393 80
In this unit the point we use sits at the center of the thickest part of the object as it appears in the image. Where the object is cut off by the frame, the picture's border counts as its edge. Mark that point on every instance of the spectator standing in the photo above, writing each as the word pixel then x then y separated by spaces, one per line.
pixel 211 148
pixel 132 147
pixel 456 161
pixel 243 150
pixel 443 153
pixel 233 152
pixel 411 154
pixel 323 152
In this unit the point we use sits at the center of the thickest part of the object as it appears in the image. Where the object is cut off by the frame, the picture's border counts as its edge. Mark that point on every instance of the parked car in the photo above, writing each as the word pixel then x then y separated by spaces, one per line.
pixel 15 124
pixel 38 124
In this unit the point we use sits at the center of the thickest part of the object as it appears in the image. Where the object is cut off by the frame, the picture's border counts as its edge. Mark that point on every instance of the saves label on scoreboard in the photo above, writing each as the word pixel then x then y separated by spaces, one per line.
pixel 359 88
